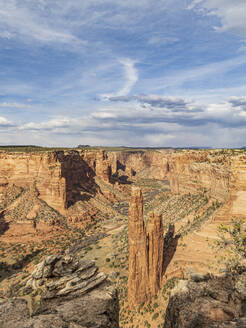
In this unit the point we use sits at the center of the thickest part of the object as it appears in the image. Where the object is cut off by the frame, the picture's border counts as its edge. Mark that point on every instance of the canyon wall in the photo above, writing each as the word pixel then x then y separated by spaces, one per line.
pixel 190 170
pixel 61 178
pixel 41 169
pixel 150 163
pixel 238 187
pixel 64 177
pixel 223 173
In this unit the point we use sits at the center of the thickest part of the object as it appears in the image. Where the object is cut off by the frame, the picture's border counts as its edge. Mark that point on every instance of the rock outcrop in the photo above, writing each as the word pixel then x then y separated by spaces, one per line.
pixel 138 288
pixel 145 251
pixel 73 294
pixel 155 251
pixel 208 302
pixel 103 166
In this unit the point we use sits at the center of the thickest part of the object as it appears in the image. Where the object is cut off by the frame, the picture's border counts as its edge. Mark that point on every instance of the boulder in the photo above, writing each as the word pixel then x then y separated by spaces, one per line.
pixel 73 295
pixel 214 302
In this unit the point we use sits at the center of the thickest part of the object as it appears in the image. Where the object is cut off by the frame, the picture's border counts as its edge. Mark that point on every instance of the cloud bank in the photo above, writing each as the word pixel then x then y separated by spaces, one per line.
pixel 150 120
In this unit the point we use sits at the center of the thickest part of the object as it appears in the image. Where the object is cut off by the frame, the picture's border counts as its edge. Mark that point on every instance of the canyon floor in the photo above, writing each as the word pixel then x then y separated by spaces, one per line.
pixel 194 216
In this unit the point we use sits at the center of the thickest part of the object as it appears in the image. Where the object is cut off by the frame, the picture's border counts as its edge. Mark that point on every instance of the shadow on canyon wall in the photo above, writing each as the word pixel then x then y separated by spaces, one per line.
pixel 121 178
pixel 4 226
pixel 79 177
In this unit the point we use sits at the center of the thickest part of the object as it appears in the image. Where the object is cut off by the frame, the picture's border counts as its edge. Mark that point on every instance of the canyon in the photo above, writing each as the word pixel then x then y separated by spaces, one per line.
pixel 148 215
pixel 64 177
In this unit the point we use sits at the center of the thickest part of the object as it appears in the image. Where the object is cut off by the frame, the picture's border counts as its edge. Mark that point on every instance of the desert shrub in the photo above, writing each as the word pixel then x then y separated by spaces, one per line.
pixel 155 316
pixel 232 240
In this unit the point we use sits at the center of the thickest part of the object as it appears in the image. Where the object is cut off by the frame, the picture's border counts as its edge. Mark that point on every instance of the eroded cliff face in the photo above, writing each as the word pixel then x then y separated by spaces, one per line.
pixel 66 177
pixel 41 169
pixel 238 186
pixel 222 173
pixel 188 171
pixel 61 178
pixel 149 164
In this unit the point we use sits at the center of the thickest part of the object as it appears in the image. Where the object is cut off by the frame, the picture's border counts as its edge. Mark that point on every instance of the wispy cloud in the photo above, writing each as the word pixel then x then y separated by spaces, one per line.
pixel 230 13
pixel 4 123
pixel 130 77
pixel 25 21
pixel 14 105
pixel 160 39
pixel 165 117
pixel 178 77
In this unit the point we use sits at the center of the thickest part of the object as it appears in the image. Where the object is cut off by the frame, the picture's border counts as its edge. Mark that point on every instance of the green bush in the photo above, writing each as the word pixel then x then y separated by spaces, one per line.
pixel 232 240
pixel 155 316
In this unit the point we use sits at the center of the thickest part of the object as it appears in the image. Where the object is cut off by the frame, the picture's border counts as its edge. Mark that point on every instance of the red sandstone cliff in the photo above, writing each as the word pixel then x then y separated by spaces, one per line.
pixel 62 178
pixel 43 169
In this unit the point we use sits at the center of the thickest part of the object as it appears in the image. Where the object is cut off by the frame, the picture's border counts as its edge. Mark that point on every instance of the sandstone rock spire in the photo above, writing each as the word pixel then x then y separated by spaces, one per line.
pixel 155 251
pixel 145 251
pixel 138 289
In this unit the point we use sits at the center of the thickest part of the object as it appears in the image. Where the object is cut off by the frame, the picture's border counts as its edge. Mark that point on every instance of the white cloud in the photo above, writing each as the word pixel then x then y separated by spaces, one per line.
pixel 166 121
pixel 130 75
pixel 14 105
pixel 162 40
pixel 4 123
pixel 178 77
pixel 62 21
pixel 25 20
pixel 6 35
pixel 53 124
pixel 231 13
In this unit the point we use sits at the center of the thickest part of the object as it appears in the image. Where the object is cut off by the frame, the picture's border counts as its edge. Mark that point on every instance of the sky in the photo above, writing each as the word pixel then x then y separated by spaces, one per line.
pixel 163 73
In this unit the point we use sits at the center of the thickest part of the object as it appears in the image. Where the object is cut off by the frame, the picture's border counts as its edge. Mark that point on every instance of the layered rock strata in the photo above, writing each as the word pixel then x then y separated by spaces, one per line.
pixel 63 178
pixel 145 251
pixel 103 166
pixel 73 294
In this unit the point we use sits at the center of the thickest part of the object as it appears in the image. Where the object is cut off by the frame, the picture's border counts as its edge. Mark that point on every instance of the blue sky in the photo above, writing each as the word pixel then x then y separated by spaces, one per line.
pixel 134 73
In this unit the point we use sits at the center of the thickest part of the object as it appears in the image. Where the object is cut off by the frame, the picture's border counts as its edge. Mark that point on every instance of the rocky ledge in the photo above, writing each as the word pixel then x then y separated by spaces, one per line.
pixel 208 302
pixel 73 295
